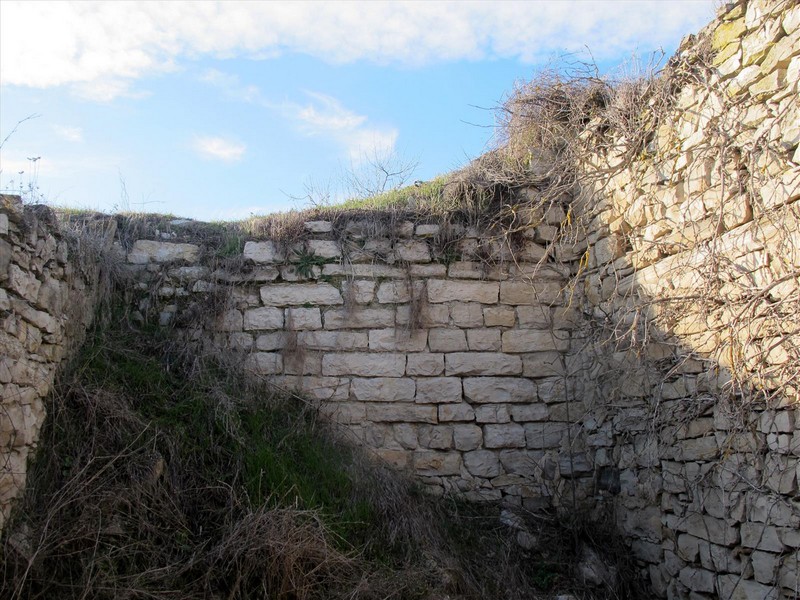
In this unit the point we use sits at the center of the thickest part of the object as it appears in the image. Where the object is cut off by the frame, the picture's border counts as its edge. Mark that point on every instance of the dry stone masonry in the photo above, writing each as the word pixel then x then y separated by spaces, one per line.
pixel 646 369
pixel 47 299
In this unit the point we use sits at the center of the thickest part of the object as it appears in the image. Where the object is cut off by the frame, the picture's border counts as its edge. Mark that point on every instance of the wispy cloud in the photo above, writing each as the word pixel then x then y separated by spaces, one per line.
pixel 57 43
pixel 218 148
pixel 324 116
pixel 320 116
pixel 70 134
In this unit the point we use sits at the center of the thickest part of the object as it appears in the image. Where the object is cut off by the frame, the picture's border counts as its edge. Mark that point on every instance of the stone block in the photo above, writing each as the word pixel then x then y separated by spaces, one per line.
pixel 524 413
pixel 467 437
pixel 359 318
pixel 230 320
pixel 397 340
pixel 345 413
pixel 364 364
pixel 499 316
pixel 433 463
pixel 697 580
pixel 413 251
pixel 482 363
pixel 438 390
pixel 264 318
pixel 287 294
pixel 761 537
pixel 359 291
pixel 447 340
pixel 735 587
pixel 318 226
pixel 532 340
pixel 333 340
pixel 456 412
pixel 482 463
pixel 302 363
pixel 506 435
pixel 383 389
pixel 302 318
pixel 425 364
pixel 393 292
pixel 23 283
pixel 436 437
pixel 406 435
pixel 542 364
pixel 427 230
pixel 502 390
pixel 466 314
pixel 264 363
pixel 263 252
pixel 324 248
pixel 492 413
pixel 483 340
pixel 518 293
pixel 146 251
pixel 765 566
pixel 442 290
pixel 536 316
pixel 400 413
pixel 545 435
pixel 426 271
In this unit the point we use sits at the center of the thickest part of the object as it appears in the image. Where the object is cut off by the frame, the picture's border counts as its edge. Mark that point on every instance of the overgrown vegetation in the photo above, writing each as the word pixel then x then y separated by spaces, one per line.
pixel 161 476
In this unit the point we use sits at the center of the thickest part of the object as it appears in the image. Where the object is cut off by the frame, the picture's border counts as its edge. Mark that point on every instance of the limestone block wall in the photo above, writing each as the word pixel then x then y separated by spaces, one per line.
pixel 691 289
pixel 47 300
pixel 453 369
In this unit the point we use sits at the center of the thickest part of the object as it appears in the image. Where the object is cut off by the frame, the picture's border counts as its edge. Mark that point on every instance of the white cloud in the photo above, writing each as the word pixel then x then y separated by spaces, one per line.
pixel 57 43
pixel 324 116
pixel 218 148
pixel 70 134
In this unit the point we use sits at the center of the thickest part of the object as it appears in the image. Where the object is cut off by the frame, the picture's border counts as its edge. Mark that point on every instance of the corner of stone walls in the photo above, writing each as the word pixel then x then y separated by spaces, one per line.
pixel 692 292
pixel 47 300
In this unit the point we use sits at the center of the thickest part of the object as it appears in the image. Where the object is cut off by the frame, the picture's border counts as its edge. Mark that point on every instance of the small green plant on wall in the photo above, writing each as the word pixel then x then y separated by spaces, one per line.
pixel 305 262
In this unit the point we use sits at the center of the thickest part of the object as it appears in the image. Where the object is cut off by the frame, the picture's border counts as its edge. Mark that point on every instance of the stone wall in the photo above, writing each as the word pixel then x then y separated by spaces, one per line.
pixel 691 295
pixel 648 368
pixel 453 370
pixel 47 300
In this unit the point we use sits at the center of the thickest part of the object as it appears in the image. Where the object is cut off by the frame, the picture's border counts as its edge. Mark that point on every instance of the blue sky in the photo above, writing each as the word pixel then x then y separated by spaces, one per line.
pixel 218 110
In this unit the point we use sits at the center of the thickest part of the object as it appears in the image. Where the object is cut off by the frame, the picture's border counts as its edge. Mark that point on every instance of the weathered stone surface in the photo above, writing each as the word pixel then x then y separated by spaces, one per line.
pixel 286 294
pixel 333 340
pixel 324 248
pixel 303 318
pixel 264 363
pixel 145 251
pixel 483 340
pixel 264 318
pixel 412 251
pixel 466 314
pixel 735 587
pixel 364 364
pixel 436 437
pixel 383 389
pixel 263 252
pixel 482 463
pixel 425 364
pixel 467 437
pixel 532 340
pixel 359 291
pixel 393 292
pixel 499 316
pixel 509 435
pixel 456 412
pixel 447 340
pixel 440 290
pixel 431 462
pixel 482 363
pixel 499 389
pixel 492 413
pixel 318 226
pixel 397 340
pixel 437 390
pixel 400 413
pixel 523 293
pixel 359 318
pixel 545 435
